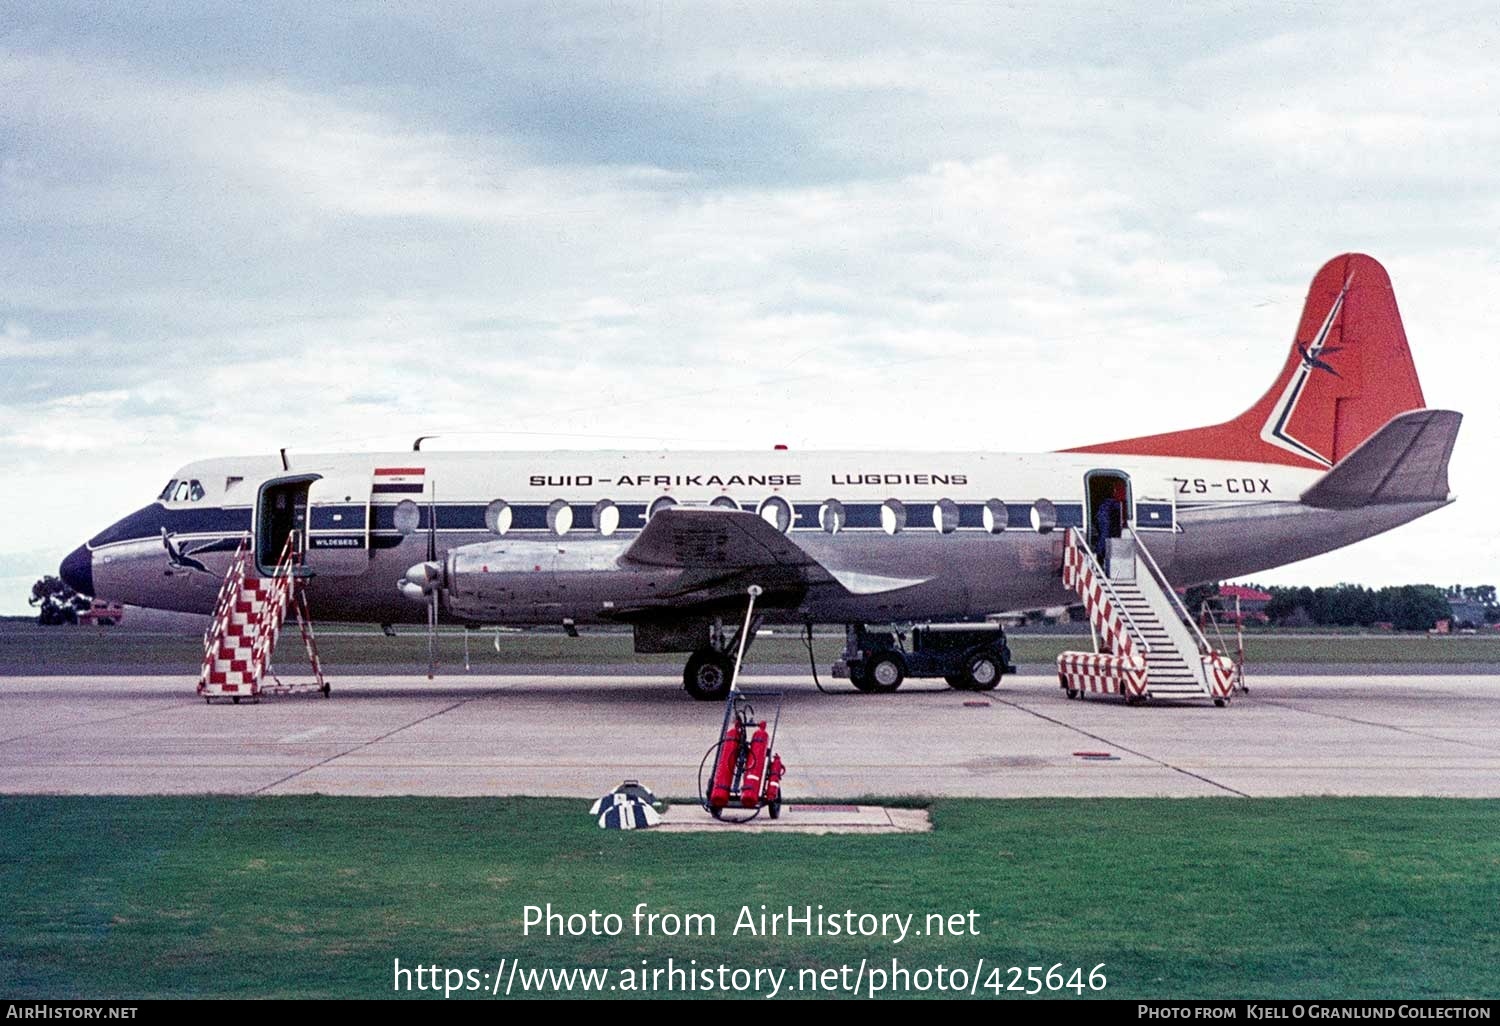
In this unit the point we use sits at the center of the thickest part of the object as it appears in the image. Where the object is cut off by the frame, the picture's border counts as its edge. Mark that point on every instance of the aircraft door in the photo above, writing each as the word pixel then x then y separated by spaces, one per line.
pixel 280 514
pixel 338 524
pixel 1108 504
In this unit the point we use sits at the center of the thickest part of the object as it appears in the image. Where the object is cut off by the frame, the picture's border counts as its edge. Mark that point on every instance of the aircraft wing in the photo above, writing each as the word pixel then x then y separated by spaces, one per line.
pixel 1405 461
pixel 713 539
pixel 711 544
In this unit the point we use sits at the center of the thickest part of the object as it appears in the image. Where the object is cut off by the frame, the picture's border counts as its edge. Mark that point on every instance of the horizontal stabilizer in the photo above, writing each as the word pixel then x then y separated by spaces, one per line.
pixel 1405 461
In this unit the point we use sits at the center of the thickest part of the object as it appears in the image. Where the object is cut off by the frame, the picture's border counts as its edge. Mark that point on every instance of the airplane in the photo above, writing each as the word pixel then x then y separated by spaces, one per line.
pixel 1341 447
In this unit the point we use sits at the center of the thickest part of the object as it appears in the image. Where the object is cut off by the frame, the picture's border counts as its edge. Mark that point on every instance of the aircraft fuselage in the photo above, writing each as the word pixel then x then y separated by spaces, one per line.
pixel 905 536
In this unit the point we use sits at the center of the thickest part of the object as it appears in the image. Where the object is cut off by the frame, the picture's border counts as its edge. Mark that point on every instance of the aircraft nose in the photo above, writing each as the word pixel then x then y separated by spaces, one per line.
pixel 77 571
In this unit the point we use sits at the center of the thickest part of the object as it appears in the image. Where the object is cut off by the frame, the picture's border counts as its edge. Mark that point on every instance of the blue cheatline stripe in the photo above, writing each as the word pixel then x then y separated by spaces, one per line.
pixel 337 518
pixel 147 523
pixel 1153 514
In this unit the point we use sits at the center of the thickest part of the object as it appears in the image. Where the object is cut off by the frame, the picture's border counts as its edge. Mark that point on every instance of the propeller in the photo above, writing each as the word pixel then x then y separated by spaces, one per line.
pixel 436 579
pixel 424 583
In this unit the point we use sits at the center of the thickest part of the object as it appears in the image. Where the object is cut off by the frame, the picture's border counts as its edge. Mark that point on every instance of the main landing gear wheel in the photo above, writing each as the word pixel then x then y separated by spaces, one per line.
pixel 883 675
pixel 708 675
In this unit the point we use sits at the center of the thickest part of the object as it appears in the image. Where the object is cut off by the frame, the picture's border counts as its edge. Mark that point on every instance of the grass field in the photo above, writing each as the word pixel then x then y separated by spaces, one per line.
pixel 26 648
pixel 315 896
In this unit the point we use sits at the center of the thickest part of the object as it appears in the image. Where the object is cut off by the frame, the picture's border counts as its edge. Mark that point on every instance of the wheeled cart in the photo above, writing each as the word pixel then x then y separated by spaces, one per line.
pixel 744 769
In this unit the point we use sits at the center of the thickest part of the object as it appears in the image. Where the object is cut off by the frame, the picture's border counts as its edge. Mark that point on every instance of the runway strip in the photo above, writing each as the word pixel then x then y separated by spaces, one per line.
pixel 579 736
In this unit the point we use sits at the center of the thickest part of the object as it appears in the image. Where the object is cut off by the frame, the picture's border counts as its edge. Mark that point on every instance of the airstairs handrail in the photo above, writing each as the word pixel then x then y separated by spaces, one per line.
pixel 1138 635
pixel 1204 648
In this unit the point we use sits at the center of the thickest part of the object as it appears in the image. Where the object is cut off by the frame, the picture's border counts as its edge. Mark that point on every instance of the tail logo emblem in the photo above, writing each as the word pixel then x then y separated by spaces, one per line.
pixel 1311 360
pixel 1311 353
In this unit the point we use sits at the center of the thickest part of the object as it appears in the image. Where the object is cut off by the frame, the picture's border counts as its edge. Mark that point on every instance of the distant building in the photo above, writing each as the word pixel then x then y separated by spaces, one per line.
pixel 1466 612
pixel 1252 602
pixel 102 614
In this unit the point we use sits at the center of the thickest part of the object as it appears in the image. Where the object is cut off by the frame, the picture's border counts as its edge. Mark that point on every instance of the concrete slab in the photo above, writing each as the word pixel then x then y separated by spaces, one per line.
pixel 578 736
pixel 804 819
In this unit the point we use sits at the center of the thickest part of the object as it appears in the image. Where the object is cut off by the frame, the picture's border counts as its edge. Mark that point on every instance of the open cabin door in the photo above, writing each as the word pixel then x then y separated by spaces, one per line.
pixel 338 524
pixel 280 513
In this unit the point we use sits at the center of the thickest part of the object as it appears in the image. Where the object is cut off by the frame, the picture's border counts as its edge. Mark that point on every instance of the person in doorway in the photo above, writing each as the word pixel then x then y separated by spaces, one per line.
pixel 1109 520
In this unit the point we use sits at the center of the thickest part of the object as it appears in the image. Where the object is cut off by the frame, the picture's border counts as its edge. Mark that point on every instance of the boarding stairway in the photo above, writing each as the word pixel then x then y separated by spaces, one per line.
pixel 247 621
pixel 1146 644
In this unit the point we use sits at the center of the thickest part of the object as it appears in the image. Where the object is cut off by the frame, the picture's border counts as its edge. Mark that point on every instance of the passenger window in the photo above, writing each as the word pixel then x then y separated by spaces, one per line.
pixel 408 517
pixel 560 517
pixel 995 516
pixel 606 517
pixel 1043 516
pixel 777 512
pixel 945 516
pixel 831 516
pixel 892 516
pixel 497 515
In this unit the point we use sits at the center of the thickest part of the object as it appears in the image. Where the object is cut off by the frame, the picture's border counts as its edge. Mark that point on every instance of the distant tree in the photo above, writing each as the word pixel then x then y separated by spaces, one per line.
pixel 1416 607
pixel 1408 607
pixel 56 602
pixel 1297 616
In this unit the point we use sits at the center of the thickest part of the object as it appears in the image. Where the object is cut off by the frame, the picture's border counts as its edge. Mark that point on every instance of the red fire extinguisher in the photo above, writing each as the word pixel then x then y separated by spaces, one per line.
pixel 729 752
pixel 773 783
pixel 755 767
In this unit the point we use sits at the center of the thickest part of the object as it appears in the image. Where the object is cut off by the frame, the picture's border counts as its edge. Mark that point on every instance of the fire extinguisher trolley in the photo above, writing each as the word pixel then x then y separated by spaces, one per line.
pixel 743 767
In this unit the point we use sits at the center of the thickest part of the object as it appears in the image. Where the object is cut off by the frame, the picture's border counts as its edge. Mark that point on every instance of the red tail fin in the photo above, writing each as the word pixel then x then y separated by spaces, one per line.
pixel 1348 373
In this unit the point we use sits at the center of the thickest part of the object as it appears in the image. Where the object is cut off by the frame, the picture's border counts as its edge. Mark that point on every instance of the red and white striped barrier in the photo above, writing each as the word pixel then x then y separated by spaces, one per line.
pixel 1101 673
pixel 1222 673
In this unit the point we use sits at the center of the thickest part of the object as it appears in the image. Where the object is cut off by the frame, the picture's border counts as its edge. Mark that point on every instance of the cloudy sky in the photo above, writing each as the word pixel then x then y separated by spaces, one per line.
pixel 227 229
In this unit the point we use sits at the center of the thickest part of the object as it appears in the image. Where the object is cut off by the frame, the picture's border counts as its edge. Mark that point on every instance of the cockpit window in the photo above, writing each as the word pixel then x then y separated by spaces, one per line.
pixel 184 490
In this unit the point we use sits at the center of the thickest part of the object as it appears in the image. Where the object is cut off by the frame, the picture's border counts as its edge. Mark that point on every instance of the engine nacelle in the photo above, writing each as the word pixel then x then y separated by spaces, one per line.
pixel 526 581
